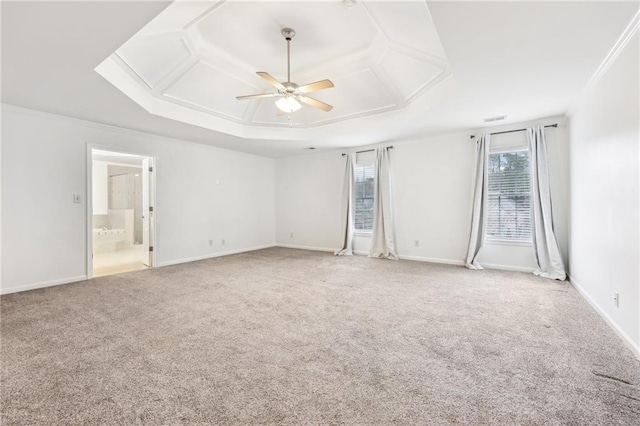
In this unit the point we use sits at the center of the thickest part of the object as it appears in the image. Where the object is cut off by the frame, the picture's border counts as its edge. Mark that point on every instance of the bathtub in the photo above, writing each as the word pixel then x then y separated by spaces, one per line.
pixel 105 240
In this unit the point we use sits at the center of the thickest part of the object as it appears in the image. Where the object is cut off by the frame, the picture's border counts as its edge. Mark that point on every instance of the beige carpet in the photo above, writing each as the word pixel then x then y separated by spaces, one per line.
pixel 283 336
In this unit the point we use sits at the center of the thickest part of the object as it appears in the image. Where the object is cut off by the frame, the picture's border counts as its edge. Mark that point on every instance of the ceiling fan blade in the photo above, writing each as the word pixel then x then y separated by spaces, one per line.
pixel 318 85
pixel 263 95
pixel 315 103
pixel 272 81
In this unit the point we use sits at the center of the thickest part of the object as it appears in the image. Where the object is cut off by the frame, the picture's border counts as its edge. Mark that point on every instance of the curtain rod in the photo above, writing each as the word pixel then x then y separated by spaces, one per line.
pixel 517 130
pixel 368 150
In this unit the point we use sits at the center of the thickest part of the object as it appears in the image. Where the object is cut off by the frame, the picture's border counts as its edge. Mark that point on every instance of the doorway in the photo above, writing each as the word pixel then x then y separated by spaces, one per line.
pixel 121 213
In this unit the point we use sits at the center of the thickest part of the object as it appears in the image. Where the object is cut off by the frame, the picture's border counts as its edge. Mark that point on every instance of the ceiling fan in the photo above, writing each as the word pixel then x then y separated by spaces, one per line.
pixel 290 93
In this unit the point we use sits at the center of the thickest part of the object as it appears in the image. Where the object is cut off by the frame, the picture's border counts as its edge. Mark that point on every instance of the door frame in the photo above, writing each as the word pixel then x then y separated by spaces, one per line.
pixel 89 197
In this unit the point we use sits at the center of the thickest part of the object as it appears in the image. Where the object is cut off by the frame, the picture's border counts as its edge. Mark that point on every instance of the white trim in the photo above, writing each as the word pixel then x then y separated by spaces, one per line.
pixel 112 163
pixel 89 200
pixel 43 284
pixel 366 253
pixel 613 54
pixel 89 197
pixel 70 280
pixel 212 255
pixel 508 267
pixel 433 260
pixel 293 246
pixel 635 348
pixel 499 242
pixel 508 149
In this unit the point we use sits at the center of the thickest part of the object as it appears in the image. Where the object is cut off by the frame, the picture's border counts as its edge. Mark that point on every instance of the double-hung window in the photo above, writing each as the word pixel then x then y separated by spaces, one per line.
pixel 509 197
pixel 363 189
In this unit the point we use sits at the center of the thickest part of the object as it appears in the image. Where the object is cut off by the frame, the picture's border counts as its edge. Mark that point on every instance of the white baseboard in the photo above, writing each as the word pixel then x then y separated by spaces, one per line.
pixel 293 246
pixel 610 322
pixel 212 255
pixel 70 280
pixel 366 253
pixel 43 284
pixel 433 260
pixel 456 262
pixel 507 267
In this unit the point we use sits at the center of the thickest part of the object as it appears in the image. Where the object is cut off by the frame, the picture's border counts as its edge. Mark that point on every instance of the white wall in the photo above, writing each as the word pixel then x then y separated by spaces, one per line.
pixel 308 200
pixel 100 187
pixel 432 181
pixel 605 234
pixel 203 193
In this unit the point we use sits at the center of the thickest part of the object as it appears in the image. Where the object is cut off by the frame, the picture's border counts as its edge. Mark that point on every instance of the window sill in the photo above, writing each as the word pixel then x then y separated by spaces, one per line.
pixel 509 243
pixel 362 233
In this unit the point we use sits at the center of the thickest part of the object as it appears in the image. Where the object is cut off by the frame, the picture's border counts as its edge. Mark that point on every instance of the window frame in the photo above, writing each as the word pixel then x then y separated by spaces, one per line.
pixel 356 231
pixel 499 240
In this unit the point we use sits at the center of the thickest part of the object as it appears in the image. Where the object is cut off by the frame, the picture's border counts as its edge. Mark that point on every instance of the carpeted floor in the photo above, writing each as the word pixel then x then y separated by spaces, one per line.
pixel 282 336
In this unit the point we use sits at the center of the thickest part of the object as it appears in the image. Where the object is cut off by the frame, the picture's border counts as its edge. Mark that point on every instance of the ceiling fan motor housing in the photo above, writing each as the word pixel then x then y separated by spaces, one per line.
pixel 288 33
pixel 289 88
pixel 290 93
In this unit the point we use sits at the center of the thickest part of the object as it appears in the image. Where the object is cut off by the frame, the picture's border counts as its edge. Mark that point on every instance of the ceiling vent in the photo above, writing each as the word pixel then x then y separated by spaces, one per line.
pixel 497 118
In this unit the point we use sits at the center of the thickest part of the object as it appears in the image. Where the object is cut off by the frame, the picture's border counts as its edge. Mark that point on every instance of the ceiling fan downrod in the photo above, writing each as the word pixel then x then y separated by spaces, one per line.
pixel 291 95
pixel 288 34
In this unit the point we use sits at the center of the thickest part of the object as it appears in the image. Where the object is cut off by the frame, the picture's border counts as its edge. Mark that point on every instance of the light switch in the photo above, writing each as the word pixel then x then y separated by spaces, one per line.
pixel 76 198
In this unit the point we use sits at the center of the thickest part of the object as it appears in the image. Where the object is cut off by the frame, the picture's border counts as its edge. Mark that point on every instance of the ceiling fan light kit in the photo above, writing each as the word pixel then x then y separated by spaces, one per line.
pixel 291 96
pixel 288 104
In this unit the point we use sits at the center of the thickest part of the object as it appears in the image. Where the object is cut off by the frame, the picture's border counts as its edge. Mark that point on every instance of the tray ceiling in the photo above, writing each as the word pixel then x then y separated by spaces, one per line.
pixel 194 58
pixel 525 60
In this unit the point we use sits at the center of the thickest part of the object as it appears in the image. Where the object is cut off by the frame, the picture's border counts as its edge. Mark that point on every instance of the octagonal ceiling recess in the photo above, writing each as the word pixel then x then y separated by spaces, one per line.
pixel 194 58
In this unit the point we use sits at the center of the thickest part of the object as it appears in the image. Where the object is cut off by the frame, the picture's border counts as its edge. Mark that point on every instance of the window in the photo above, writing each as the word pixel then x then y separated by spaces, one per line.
pixel 509 197
pixel 363 189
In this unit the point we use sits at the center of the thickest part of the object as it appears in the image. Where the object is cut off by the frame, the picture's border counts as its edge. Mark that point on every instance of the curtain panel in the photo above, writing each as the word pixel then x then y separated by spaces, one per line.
pixel 548 258
pixel 478 212
pixel 347 207
pixel 382 239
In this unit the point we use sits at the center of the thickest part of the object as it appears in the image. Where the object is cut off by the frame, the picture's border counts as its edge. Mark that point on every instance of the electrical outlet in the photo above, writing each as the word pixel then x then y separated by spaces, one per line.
pixel 210 242
pixel 290 234
pixel 222 242
pixel 416 243
pixel 616 300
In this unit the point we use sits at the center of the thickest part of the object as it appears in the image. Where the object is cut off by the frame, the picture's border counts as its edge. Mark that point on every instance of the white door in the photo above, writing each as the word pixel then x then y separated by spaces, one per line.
pixel 147 213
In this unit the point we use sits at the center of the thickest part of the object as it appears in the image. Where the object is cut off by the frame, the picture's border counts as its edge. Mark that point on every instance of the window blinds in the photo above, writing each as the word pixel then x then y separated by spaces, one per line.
pixel 509 197
pixel 363 188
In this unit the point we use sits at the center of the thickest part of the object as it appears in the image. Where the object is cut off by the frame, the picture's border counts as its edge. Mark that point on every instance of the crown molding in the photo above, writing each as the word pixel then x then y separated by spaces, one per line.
pixel 626 36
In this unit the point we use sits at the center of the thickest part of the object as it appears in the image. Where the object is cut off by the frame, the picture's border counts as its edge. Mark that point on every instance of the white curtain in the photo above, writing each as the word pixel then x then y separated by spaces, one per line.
pixel 382 239
pixel 476 237
pixel 347 208
pixel 548 258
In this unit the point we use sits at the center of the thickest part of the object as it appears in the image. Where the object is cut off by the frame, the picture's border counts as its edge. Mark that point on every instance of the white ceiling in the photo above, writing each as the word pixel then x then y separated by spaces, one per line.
pixel 525 60
pixel 193 59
